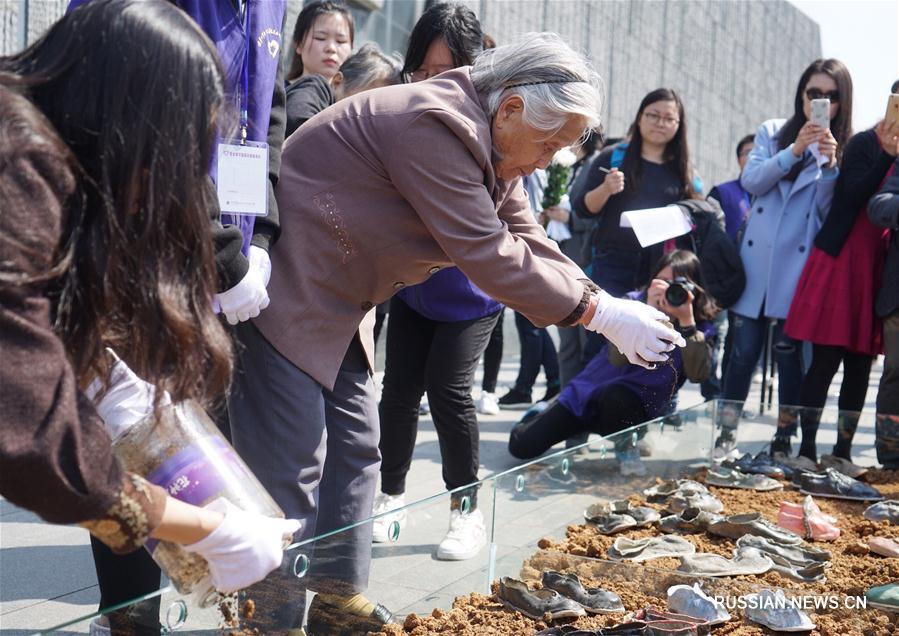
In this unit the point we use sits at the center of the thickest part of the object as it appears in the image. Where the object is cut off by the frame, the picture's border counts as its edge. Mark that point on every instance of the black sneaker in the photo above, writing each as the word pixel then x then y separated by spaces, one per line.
pixel 515 398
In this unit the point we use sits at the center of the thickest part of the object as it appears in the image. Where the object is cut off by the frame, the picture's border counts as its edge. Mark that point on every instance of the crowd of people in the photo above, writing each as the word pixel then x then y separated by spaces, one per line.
pixel 411 188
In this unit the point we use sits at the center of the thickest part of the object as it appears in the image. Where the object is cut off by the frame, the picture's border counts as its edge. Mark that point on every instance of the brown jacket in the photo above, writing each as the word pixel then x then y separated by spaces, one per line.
pixel 384 189
pixel 55 454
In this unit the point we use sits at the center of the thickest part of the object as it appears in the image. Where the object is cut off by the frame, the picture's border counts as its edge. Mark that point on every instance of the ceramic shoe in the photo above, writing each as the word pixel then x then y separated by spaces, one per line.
pixel 631 628
pixel 732 478
pixel 650 548
pixel 593 599
pixel 735 526
pixel 799 555
pixel 619 515
pixel 536 604
pixel 761 464
pixel 884 597
pixel 567 630
pixel 744 561
pixel 680 501
pixel 692 601
pixel 885 510
pixel 799 463
pixel 773 610
pixel 836 485
pixel 655 617
pixel 688 521
pixel 661 492
pixel 884 547
pixel 842 465
pixel 810 523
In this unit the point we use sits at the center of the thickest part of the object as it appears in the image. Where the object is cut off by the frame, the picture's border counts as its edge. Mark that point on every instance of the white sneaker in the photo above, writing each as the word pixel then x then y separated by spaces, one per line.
pixel 382 527
pixel 465 538
pixel 488 405
pixel 99 629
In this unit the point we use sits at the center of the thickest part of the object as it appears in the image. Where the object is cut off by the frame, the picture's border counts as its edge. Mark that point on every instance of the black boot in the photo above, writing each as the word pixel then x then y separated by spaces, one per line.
pixel 847 422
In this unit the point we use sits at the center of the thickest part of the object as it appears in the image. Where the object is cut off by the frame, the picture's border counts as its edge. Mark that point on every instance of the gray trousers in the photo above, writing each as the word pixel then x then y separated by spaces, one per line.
pixel 314 450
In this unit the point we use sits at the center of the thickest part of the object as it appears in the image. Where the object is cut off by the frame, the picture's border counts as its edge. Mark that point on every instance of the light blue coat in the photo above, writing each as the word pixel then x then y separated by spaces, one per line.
pixel 783 220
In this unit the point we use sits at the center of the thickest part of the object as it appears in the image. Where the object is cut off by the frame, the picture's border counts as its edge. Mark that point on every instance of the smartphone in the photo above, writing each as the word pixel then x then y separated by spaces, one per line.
pixel 892 114
pixel 821 112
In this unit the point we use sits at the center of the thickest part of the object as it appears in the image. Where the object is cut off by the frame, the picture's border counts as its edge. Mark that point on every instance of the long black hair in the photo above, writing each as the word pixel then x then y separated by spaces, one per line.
pixel 676 155
pixel 686 264
pixel 841 126
pixel 305 22
pixel 456 24
pixel 135 90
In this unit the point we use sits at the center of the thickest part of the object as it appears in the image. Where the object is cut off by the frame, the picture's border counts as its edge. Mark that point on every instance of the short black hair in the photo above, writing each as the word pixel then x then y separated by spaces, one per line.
pixel 456 24
pixel 895 87
pixel 748 139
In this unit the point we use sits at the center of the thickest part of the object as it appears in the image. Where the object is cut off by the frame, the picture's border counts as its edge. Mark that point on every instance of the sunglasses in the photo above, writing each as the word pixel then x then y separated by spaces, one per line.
pixel 815 93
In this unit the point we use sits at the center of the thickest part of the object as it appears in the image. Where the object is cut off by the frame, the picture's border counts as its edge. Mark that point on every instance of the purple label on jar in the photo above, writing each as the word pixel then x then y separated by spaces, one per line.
pixel 200 472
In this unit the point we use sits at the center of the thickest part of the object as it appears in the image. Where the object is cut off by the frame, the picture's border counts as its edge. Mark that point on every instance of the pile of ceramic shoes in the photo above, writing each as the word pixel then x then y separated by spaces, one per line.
pixel 651 621
pixel 617 516
pixel 887 510
pixel 783 466
pixel 768 607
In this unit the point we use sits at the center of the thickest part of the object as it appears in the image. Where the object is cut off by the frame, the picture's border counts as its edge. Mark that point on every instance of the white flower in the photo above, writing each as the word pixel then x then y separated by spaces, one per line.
pixel 565 158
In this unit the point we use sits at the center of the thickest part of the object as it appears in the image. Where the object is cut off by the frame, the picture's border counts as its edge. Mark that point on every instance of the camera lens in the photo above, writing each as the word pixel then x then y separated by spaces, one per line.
pixel 676 294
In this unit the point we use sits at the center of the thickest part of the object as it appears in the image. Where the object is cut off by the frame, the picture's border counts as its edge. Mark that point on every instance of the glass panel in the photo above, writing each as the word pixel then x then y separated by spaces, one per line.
pixel 407 573
pixel 541 498
pixel 752 428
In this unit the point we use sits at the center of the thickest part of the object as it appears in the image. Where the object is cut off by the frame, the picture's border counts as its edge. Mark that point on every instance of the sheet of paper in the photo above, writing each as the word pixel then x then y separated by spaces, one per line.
pixel 654 225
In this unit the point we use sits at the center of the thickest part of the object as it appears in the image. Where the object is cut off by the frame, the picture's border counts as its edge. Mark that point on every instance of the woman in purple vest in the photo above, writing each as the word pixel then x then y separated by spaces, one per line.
pixel 436 334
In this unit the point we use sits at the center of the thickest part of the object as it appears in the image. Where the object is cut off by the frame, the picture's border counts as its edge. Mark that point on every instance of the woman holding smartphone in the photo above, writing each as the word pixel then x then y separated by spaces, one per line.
pixel 834 303
pixel 791 174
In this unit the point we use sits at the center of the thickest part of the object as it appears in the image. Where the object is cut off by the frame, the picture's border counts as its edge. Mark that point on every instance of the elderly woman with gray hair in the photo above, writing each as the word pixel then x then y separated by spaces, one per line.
pixel 381 191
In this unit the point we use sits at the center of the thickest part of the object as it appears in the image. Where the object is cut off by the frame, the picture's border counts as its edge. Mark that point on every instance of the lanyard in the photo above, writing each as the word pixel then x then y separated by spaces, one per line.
pixel 244 97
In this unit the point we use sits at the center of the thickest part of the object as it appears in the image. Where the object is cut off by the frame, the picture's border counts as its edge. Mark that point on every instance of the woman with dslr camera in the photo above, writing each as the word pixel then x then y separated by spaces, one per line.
pixel 610 395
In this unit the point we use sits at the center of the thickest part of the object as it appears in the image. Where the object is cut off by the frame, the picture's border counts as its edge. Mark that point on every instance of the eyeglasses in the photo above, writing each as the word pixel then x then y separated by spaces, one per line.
pixel 816 93
pixel 655 118
pixel 425 73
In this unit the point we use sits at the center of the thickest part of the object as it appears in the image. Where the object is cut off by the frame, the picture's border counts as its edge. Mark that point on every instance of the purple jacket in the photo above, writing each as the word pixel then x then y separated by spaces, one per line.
pixel 655 388
pixel 448 296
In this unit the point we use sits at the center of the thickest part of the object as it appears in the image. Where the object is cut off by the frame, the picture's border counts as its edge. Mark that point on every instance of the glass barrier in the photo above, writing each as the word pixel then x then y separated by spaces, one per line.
pixel 541 498
pixel 405 575
pixel 534 521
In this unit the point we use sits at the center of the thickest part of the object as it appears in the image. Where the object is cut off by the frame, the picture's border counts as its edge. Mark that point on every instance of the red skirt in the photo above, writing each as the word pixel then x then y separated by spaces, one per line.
pixel 834 301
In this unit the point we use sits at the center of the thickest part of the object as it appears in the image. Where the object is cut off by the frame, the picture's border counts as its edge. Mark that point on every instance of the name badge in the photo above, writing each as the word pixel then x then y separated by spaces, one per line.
pixel 242 177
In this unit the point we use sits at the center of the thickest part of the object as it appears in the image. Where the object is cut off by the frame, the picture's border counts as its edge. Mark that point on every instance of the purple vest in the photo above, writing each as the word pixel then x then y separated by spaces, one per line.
pixel 735 203
pixel 448 296
pixel 221 21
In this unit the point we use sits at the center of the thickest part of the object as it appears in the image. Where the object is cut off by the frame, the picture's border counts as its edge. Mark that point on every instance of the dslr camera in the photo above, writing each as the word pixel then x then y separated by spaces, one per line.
pixel 679 291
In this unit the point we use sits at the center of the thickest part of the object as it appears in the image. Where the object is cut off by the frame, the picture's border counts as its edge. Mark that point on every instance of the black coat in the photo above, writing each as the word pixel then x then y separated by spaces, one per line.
pixel 719 257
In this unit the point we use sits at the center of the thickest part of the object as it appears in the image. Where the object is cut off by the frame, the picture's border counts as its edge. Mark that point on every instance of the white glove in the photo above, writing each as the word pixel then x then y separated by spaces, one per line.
pixel 244 548
pixel 246 299
pixel 636 329
pixel 260 260
pixel 128 400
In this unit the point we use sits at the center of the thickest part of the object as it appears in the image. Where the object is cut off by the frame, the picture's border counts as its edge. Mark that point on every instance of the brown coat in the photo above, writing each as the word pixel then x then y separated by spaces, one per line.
pixel 55 454
pixel 384 189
